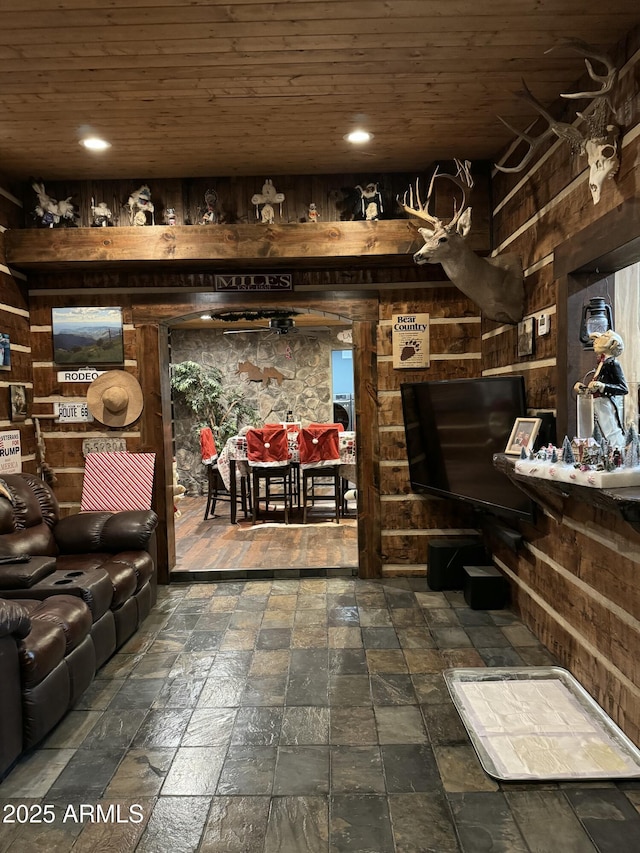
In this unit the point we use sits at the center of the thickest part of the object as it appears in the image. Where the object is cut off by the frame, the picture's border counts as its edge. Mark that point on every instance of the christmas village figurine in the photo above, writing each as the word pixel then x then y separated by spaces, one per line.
pixel 101 215
pixel 51 213
pixel 208 215
pixel 170 216
pixel 589 461
pixel 265 201
pixel 312 214
pixel 140 207
pixel 607 387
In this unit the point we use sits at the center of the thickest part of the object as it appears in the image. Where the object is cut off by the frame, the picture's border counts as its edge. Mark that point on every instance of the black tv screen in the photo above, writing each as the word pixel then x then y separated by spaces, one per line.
pixel 453 429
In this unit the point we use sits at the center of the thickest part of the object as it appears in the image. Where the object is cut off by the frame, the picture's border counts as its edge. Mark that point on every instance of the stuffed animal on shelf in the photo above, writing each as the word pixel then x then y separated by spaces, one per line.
pixel 208 215
pixel 141 209
pixel 102 216
pixel 265 201
pixel 371 200
pixel 52 213
pixel 178 490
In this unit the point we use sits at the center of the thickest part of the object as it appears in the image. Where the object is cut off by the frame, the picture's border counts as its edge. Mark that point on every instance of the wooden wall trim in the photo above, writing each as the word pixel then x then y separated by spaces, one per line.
pixel 155 435
pixel 607 244
pixel 366 388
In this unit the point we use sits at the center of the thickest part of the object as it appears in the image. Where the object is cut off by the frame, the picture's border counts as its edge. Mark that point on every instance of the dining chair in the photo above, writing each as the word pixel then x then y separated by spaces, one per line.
pixel 345 484
pixel 320 465
pixel 216 489
pixel 269 462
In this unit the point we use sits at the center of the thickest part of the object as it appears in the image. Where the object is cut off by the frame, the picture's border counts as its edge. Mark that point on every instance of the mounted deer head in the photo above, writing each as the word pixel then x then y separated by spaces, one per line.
pixel 599 143
pixel 494 284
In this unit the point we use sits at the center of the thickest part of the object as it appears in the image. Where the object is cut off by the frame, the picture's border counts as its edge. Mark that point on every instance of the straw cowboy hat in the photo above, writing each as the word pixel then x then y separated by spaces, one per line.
pixel 115 398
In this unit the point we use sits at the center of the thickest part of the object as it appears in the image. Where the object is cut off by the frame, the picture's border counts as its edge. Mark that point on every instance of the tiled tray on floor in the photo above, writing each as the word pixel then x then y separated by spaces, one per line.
pixel 538 723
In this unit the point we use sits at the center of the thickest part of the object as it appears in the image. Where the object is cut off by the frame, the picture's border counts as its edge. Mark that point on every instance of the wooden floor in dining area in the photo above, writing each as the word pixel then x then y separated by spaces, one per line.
pixel 204 549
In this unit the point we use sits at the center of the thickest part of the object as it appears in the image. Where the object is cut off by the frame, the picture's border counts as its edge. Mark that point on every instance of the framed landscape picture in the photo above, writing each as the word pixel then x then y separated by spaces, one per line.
pixel 87 336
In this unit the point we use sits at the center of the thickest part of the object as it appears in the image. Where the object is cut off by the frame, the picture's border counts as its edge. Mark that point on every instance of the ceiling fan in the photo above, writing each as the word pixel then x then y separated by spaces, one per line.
pixel 277 325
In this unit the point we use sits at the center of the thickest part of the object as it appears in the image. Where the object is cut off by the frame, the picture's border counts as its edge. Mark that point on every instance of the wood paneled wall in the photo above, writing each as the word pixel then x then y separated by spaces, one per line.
pixel 576 580
pixel 14 321
pixel 64 440
pixel 335 197
pixel 408 520
pixel 397 524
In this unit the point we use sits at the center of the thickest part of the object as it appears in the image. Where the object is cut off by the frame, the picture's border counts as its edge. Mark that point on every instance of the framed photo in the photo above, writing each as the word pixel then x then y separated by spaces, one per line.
pixel 5 351
pixel 18 401
pixel 523 434
pixel 525 337
pixel 87 336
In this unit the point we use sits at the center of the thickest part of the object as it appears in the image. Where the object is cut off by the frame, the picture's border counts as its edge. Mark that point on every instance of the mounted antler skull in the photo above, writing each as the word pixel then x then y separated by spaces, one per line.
pixel 494 284
pixel 600 142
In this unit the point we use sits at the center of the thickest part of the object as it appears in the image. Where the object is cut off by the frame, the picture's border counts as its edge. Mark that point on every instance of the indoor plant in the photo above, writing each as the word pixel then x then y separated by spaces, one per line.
pixel 214 405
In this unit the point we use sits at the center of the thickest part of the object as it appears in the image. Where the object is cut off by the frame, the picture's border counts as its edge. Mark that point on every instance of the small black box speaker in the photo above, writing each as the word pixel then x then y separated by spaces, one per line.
pixel 485 588
pixel 446 557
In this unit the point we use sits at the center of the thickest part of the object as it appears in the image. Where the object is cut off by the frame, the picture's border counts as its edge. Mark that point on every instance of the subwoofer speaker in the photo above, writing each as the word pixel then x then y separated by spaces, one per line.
pixel 446 558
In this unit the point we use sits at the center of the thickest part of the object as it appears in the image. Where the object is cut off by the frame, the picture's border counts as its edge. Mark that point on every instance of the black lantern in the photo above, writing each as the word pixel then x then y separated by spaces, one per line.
pixel 596 319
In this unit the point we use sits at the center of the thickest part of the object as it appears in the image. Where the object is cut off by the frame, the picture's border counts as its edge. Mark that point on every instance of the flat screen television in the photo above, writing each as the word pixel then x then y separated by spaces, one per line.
pixel 453 429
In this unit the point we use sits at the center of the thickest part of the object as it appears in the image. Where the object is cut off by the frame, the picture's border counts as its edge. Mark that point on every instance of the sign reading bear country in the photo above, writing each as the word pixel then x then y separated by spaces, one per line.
pixel 410 340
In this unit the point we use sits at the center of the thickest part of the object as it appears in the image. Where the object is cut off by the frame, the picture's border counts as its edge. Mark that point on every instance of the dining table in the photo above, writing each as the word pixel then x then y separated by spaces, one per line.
pixel 233 462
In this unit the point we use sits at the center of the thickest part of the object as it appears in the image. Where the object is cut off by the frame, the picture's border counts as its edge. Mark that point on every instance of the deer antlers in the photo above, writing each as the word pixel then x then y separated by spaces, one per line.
pixel 607 80
pixel 462 179
pixel 561 129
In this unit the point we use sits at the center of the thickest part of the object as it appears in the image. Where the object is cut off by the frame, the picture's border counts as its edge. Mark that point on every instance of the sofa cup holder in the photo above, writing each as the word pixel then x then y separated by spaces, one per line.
pixel 73 574
pixel 62 582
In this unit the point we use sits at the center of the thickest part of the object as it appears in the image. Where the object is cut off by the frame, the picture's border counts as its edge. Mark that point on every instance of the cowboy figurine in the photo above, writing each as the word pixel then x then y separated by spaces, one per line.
pixel 607 387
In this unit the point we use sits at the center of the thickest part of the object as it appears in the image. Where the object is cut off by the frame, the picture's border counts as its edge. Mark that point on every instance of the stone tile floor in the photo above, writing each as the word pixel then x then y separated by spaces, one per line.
pixel 298 716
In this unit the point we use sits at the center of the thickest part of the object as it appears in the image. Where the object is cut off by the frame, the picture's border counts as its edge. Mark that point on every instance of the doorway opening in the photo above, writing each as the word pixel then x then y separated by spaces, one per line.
pixel 274 374
pixel 343 389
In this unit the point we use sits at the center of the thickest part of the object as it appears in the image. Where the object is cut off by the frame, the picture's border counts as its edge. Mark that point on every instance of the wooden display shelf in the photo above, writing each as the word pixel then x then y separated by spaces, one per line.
pixel 552 495
pixel 266 246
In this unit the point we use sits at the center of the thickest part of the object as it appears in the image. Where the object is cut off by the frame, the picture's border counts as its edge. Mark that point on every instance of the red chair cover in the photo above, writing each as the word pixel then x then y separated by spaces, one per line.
pixel 207 446
pixel 339 427
pixel 267 446
pixel 319 446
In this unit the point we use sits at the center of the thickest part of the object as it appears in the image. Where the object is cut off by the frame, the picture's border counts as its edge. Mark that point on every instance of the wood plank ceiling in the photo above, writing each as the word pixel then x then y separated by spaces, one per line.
pixel 188 88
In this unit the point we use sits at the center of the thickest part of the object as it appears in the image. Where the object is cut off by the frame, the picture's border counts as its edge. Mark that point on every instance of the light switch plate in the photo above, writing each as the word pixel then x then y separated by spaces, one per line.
pixel 544 324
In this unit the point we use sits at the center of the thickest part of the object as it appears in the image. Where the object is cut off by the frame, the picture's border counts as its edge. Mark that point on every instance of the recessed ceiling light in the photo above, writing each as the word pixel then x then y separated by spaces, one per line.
pixel 93 143
pixel 359 136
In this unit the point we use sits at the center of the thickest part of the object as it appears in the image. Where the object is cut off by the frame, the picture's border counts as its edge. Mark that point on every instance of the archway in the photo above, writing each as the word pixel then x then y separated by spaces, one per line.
pixel 361 308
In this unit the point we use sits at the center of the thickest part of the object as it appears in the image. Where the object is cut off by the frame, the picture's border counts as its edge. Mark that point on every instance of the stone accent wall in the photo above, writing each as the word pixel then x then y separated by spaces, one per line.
pixel 303 359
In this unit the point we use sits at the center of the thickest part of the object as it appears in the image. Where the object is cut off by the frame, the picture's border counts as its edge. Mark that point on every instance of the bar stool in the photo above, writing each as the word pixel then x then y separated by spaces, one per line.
pixel 217 491
pixel 320 465
pixel 268 457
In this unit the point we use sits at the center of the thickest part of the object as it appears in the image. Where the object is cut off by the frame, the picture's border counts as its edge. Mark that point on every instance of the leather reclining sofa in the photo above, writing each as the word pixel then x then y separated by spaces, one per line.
pixel 72 592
